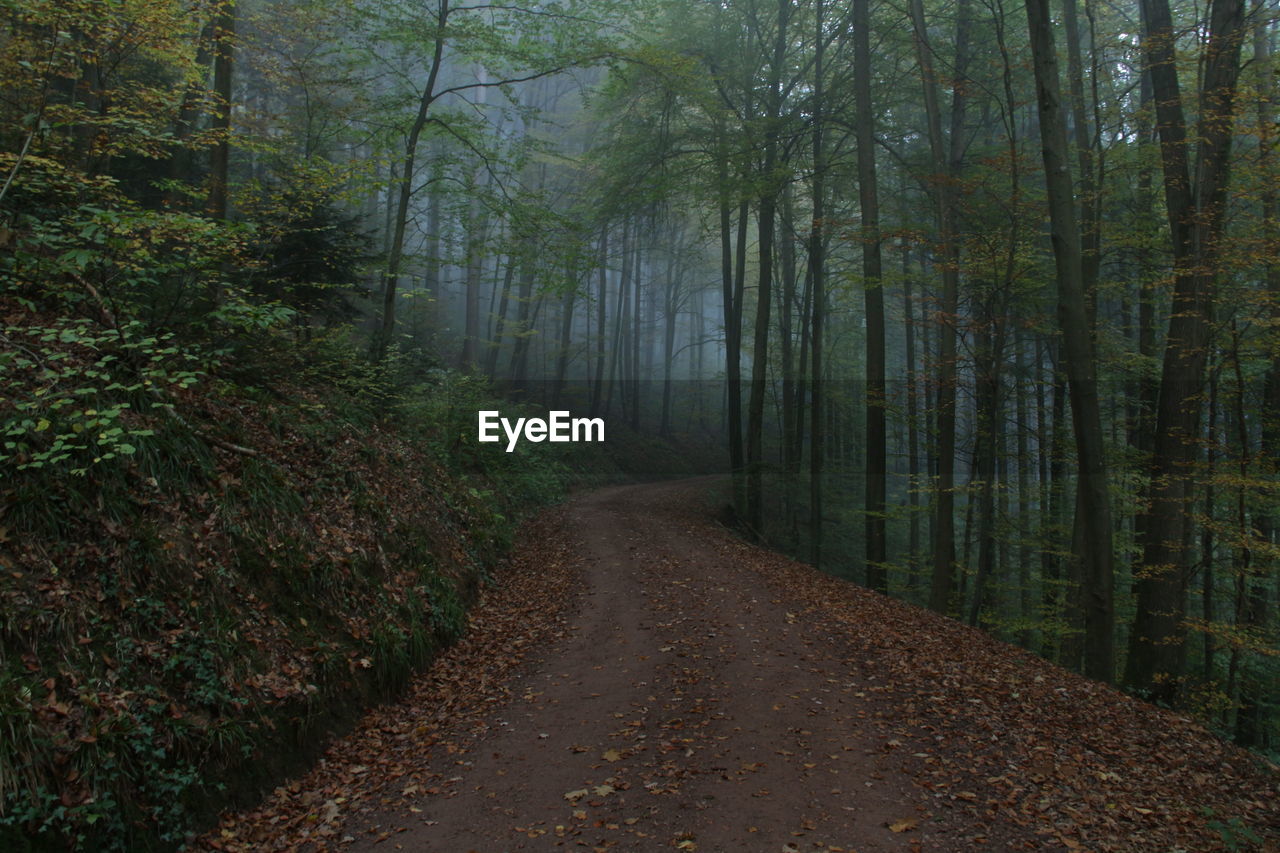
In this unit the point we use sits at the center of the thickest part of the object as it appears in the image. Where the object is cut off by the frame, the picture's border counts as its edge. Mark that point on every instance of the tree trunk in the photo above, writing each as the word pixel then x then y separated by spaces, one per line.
pixel 1250 728
pixel 636 336
pixel 1207 530
pixel 223 62
pixel 670 306
pixel 477 227
pixel 817 273
pixel 732 312
pixel 1090 256
pixel 1094 554
pixel 731 305
pixel 944 167
pixel 869 205
pixel 396 255
pixel 913 425
pixel 765 214
pixel 435 224
pixel 597 394
pixel 1157 648
pixel 786 339
pixel 566 337
pixel 1025 598
pixel 988 421
pixel 524 332
pixel 500 321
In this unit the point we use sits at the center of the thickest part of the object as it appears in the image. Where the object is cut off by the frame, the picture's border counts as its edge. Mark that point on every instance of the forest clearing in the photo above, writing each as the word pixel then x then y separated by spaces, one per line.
pixel 971 307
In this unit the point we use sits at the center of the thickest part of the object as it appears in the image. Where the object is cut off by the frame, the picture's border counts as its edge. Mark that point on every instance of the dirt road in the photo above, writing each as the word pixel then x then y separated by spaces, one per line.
pixel 687 706
pixel 699 694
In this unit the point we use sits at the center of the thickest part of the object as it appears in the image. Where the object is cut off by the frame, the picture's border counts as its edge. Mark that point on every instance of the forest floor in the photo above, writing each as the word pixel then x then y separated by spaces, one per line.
pixel 641 679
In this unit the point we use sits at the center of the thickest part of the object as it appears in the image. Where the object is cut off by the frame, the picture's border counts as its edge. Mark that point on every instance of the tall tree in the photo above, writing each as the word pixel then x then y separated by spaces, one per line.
pixel 944 166
pixel 1093 507
pixel 817 277
pixel 1195 209
pixel 767 204
pixel 224 40
pixel 869 204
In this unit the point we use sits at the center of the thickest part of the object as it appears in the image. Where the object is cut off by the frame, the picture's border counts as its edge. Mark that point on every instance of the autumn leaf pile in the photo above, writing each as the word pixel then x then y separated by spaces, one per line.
pixel 1009 739
pixel 405 749
pixel 979 745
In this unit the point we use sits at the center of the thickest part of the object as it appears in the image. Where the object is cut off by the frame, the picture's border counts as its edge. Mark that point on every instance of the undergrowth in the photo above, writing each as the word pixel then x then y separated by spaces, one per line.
pixel 205 567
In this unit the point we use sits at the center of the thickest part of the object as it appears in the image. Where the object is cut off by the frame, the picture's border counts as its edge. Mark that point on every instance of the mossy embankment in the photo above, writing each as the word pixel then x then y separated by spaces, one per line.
pixel 279 544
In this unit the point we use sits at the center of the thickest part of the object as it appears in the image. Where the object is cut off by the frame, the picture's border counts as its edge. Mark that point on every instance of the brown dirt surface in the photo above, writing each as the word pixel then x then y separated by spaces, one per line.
pixel 640 679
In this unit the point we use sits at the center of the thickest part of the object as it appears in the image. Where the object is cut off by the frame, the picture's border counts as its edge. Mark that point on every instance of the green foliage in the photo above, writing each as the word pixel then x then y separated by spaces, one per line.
pixel 136 50
pixel 1234 833
pixel 176 688
pixel 75 243
pixel 74 391
pixel 312 251
pixel 336 359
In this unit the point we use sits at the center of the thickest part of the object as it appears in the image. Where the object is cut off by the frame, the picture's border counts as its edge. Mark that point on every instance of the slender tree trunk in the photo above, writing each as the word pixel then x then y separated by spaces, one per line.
pixel 988 420
pixel 621 350
pixel 765 215
pixel 1052 528
pixel 500 321
pixel 739 296
pixel 732 308
pixel 869 204
pixel 602 319
pixel 1244 591
pixel 1207 531
pixel 408 162
pixel 1022 413
pixel 801 391
pixel 786 340
pixel 477 225
pixel 675 275
pixel 913 423
pixel 1093 550
pixel 817 274
pixel 944 540
pixel 760 367
pixel 435 224
pixel 732 319
pixel 524 324
pixel 566 337
pixel 223 63
pixel 1090 255
pixel 636 336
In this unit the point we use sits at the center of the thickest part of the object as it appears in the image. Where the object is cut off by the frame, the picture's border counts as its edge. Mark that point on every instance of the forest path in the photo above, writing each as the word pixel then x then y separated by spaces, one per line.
pixel 643 680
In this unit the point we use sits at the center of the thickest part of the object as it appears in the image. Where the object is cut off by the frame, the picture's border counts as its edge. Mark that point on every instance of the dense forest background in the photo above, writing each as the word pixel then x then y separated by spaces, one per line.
pixel 979 302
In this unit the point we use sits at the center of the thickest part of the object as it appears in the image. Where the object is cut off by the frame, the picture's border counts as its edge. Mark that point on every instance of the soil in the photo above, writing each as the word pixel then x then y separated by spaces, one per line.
pixel 644 680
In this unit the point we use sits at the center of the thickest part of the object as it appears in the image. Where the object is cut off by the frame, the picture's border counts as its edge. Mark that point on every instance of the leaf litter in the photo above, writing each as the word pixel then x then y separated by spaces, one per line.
pixel 978 744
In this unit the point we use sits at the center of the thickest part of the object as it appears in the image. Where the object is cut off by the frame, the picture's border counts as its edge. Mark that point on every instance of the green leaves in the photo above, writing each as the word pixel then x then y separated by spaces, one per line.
pixel 77 393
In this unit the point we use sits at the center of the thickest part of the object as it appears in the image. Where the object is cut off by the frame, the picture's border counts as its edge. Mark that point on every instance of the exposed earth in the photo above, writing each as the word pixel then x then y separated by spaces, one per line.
pixel 641 679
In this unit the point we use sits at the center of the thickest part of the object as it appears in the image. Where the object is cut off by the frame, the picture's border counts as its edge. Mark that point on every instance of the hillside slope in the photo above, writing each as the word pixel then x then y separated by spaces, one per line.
pixel 643 680
pixel 237 571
